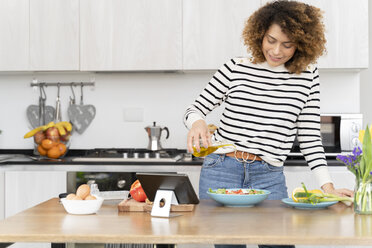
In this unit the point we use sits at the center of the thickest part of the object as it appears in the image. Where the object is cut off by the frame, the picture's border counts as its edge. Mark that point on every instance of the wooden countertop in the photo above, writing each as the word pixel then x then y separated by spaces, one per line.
pixel 270 222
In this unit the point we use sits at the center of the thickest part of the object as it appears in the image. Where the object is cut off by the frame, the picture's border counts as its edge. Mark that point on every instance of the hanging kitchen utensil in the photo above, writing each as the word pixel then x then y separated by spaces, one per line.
pixel 72 99
pixel 58 116
pixel 80 115
pixel 39 115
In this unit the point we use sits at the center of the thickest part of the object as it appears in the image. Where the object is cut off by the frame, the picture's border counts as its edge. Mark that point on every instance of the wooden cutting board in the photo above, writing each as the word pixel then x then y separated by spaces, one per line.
pixel 131 205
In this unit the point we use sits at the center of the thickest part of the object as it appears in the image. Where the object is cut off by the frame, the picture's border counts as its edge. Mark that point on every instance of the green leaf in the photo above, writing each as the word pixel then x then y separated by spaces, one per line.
pixel 367 146
pixel 366 165
pixel 362 166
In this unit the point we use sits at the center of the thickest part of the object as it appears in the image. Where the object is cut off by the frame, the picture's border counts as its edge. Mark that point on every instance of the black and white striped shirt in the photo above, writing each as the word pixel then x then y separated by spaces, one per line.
pixel 265 107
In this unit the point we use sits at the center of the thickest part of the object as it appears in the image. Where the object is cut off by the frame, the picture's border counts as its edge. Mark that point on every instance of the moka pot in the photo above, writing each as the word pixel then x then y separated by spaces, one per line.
pixel 154 132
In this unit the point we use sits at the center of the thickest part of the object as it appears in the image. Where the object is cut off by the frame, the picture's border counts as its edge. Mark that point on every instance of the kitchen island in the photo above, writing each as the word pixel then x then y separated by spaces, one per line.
pixel 210 223
pixel 42 180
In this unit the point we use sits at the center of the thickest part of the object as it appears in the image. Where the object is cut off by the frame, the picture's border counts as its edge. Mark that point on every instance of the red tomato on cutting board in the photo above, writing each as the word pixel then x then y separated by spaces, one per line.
pixel 136 191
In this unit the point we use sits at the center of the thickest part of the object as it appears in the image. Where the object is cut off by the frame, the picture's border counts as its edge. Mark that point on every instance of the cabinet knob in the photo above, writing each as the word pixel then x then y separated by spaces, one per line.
pixel 355 142
pixel 355 127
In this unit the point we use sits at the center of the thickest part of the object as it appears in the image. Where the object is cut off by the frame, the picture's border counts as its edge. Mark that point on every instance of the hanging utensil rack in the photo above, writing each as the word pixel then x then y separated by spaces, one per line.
pixel 61 84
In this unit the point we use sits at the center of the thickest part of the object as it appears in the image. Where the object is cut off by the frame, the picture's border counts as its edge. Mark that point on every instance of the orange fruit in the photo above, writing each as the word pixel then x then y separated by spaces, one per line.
pixel 47 144
pixel 62 148
pixel 41 150
pixel 54 152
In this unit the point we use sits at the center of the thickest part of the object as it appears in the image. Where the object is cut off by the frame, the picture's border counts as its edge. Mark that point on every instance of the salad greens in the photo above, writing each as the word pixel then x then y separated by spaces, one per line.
pixel 236 191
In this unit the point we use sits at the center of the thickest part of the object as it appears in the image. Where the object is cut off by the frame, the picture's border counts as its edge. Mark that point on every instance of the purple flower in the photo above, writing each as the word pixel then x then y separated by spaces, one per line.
pixel 357 151
pixel 352 161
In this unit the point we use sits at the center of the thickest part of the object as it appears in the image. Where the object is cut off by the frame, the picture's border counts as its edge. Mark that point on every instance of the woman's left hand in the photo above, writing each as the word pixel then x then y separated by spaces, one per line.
pixel 329 188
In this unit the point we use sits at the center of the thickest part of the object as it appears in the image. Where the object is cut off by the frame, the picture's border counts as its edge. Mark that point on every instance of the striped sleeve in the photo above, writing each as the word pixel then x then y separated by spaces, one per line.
pixel 211 96
pixel 309 138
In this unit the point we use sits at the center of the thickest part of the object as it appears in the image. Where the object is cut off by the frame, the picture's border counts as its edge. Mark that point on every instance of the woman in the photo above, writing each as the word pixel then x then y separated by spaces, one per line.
pixel 269 98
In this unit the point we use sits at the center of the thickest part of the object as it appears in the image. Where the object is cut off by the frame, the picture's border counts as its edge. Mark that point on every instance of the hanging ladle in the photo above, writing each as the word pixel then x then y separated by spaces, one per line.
pixel 58 116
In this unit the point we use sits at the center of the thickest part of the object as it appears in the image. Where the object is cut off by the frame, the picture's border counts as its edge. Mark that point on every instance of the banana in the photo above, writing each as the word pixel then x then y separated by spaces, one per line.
pixel 50 124
pixel 33 132
pixel 66 125
pixel 60 126
pixel 41 128
pixel 61 129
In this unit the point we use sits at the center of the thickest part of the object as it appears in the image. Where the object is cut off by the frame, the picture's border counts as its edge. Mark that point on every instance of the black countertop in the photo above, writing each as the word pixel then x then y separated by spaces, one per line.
pixel 78 153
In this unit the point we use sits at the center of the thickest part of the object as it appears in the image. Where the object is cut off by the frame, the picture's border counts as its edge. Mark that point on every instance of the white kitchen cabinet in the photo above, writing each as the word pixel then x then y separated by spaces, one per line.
pixel 2 195
pixel 54 35
pixel 212 31
pixel 25 189
pixel 346 23
pixel 130 35
pixel 14 35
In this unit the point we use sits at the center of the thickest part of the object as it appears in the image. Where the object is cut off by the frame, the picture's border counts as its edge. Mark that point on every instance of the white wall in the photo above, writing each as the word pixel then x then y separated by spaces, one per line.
pixel 162 96
pixel 366 80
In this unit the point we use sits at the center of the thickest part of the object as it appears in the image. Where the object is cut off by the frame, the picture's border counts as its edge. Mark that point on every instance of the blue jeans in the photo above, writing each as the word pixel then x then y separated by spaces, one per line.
pixel 220 171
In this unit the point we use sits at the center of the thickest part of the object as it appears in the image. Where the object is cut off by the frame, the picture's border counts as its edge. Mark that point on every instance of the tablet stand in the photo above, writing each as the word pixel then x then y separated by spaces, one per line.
pixel 166 197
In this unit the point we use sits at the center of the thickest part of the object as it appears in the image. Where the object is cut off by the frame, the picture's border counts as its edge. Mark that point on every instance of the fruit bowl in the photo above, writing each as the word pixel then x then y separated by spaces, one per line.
pixel 51 150
pixel 82 206
pixel 52 140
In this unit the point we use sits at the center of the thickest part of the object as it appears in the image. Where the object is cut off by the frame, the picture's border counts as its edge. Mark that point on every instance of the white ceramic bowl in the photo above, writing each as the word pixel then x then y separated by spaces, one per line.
pixel 82 206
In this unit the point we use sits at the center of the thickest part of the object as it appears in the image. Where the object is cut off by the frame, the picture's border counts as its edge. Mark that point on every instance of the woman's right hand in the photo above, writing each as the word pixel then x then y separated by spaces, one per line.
pixel 199 131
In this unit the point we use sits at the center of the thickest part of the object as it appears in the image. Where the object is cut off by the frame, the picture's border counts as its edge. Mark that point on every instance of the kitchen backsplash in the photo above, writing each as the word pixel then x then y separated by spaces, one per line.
pixel 147 97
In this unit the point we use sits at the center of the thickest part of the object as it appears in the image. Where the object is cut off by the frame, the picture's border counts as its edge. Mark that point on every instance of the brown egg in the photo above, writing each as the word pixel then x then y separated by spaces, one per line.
pixel 70 196
pixel 76 197
pixel 90 197
pixel 83 191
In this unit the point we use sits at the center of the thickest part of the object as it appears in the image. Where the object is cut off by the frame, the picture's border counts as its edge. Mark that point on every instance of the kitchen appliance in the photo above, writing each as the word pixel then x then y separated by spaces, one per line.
pixel 133 155
pixel 154 133
pixel 339 133
pixel 115 185
pixel 110 184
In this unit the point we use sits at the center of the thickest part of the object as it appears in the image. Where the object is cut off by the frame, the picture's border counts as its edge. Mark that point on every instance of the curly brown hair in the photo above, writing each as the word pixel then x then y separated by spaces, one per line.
pixel 302 23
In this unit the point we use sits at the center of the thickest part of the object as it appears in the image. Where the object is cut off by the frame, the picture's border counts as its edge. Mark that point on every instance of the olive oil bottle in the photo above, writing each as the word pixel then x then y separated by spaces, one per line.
pixel 206 151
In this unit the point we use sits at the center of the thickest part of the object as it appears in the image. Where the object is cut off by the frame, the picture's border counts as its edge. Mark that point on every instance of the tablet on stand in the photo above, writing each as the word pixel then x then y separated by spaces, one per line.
pixel 166 189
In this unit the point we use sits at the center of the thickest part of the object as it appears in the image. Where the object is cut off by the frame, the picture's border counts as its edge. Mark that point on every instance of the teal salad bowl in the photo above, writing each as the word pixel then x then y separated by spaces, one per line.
pixel 238 197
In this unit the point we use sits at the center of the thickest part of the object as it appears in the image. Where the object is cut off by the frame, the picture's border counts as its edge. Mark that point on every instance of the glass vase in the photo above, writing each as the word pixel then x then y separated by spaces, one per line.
pixel 363 198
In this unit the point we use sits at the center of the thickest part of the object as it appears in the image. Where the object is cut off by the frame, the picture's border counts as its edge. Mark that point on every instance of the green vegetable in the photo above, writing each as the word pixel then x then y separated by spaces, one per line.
pixel 218 191
pixel 314 198
pixel 236 192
